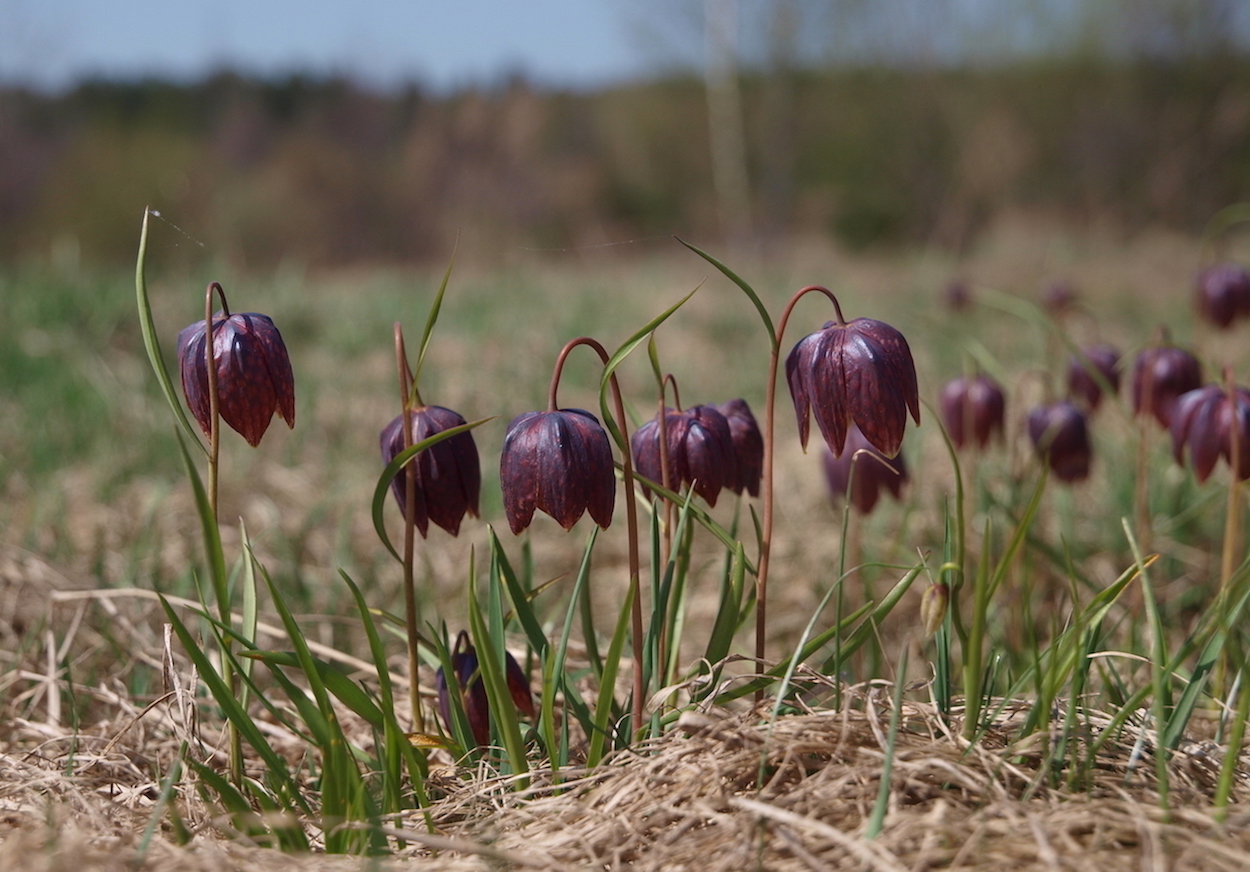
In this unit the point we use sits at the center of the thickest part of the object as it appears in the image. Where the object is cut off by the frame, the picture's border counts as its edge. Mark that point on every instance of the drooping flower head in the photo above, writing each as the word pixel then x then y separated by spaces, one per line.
pixel 748 446
pixel 860 372
pixel 559 462
pixel 254 377
pixel 473 692
pixel 865 470
pixel 973 410
pixel 1206 421
pixel 1222 294
pixel 1061 437
pixel 1082 385
pixel 1160 376
pixel 700 450
pixel 448 473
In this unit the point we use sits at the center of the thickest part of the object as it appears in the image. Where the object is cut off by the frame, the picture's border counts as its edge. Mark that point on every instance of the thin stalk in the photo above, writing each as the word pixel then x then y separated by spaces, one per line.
pixel 412 616
pixel 214 396
pixel 234 739
pixel 631 516
pixel 766 484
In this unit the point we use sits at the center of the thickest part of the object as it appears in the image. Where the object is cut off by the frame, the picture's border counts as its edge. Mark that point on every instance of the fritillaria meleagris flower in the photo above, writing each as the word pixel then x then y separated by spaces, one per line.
pixel 700 451
pixel 254 378
pixel 1205 421
pixel 862 372
pixel 560 462
pixel 1061 437
pixel 1223 294
pixel 448 474
pixel 1082 385
pixel 1058 296
pixel 867 472
pixel 473 691
pixel 973 410
pixel 748 446
pixel 1160 376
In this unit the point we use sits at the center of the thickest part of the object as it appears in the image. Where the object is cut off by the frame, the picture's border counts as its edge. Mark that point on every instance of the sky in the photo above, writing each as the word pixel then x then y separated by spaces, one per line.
pixel 441 43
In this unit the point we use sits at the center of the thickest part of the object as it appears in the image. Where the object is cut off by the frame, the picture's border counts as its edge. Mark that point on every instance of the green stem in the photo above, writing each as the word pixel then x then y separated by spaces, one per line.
pixel 412 616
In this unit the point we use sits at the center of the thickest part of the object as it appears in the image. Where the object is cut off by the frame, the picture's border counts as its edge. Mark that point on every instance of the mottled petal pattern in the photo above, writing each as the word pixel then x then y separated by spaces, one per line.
pixel 559 462
pixel 859 372
pixel 254 376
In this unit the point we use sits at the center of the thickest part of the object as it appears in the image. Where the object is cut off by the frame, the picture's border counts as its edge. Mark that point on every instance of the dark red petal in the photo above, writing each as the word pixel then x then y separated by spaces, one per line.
pixel 518 472
pixel 193 369
pixel 245 393
pixel 798 369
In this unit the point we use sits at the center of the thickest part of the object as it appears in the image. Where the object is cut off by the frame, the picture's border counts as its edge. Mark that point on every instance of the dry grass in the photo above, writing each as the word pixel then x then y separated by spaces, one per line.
pixel 722 791
pixel 83 754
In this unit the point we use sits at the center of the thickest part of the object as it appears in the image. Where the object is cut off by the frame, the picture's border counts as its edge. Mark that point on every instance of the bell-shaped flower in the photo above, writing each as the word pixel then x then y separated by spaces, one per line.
pixel 559 462
pixel 700 450
pixel 748 446
pixel 448 473
pixel 254 378
pixel 1083 385
pixel 1059 297
pixel 473 691
pixel 1223 294
pixel 973 410
pixel 1061 437
pixel 862 372
pixel 1160 376
pixel 864 469
pixel 1207 421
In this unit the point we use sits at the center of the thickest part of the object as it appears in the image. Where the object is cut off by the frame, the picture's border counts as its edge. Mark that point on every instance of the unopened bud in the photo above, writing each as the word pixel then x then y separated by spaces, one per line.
pixel 933 607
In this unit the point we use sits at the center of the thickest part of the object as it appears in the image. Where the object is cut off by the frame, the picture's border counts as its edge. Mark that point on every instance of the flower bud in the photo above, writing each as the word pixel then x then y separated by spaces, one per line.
pixel 933 604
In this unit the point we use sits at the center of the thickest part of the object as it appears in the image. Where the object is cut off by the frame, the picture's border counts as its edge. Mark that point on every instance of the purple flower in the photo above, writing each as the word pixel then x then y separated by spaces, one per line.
pixel 700 450
pixel 1160 376
pixel 560 462
pixel 973 410
pixel 748 446
pixel 1223 294
pixel 865 470
pixel 1207 420
pixel 1061 437
pixel 254 378
pixel 448 474
pixel 1082 385
pixel 860 372
pixel 473 691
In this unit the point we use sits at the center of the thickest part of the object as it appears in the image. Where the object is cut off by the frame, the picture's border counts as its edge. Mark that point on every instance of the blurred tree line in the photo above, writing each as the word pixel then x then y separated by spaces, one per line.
pixel 867 154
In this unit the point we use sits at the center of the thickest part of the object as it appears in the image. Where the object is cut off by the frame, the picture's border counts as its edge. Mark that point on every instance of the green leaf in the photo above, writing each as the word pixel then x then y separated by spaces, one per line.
pixel 490 657
pixel 432 319
pixel 746 289
pixel 605 383
pixel 151 341
pixel 607 684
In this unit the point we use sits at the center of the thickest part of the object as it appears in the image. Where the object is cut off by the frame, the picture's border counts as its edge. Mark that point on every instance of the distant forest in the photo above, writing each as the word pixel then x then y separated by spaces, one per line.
pixel 332 173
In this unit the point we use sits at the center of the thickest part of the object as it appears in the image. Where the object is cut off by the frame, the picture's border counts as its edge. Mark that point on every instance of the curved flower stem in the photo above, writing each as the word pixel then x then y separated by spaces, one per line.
pixel 631 516
pixel 234 740
pixel 214 395
pixel 766 486
pixel 412 618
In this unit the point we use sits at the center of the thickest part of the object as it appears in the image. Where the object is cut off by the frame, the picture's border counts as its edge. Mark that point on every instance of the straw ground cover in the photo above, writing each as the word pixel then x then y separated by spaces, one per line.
pixel 112 741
